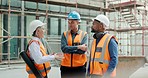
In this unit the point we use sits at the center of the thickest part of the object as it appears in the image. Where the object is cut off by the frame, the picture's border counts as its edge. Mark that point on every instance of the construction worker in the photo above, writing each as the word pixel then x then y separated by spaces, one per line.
pixel 104 51
pixel 36 50
pixel 74 46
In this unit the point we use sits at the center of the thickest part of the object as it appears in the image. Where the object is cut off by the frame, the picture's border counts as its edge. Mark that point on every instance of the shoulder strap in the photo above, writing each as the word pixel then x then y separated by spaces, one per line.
pixel 43 63
pixel 45 70
pixel 30 63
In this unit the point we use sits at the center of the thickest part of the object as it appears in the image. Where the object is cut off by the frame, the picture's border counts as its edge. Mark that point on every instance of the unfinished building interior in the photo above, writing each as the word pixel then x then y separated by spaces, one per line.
pixel 129 23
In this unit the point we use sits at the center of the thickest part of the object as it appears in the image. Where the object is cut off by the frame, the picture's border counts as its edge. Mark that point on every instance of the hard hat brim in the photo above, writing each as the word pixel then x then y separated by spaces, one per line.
pixel 79 20
pixel 95 19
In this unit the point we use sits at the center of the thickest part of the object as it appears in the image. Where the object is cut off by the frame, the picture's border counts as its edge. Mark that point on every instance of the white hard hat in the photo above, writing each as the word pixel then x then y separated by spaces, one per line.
pixel 34 24
pixel 103 19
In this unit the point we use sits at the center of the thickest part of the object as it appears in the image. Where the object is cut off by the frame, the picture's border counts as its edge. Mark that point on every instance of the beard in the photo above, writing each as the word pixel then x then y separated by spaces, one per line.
pixel 93 30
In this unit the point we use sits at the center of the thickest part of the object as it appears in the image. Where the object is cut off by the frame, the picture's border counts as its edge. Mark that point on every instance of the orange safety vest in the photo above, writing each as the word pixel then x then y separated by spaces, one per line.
pixel 40 67
pixel 100 56
pixel 74 60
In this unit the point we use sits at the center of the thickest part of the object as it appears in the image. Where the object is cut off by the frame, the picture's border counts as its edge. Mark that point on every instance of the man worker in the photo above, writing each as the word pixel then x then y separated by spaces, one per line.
pixel 104 50
pixel 74 46
pixel 36 50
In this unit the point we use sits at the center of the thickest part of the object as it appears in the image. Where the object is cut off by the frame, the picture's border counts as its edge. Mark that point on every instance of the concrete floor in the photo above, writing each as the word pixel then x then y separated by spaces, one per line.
pixel 141 73
pixel 18 71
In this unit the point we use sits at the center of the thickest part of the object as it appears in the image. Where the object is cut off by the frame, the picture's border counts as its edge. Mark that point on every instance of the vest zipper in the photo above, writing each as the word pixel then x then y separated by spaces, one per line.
pixel 71 59
pixel 72 53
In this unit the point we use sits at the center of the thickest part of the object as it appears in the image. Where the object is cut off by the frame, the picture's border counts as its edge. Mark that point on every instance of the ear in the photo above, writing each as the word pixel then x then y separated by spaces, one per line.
pixel 78 22
pixel 36 33
pixel 101 27
pixel 104 27
pixel 37 30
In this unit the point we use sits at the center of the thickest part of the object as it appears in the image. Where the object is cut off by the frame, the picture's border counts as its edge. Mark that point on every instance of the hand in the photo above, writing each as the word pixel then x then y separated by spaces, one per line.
pixel 82 47
pixel 58 56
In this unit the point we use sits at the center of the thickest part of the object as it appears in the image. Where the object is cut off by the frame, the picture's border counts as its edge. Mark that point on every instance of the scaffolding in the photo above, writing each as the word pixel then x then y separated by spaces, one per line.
pixel 9 36
pixel 38 12
pixel 132 26
pixel 128 21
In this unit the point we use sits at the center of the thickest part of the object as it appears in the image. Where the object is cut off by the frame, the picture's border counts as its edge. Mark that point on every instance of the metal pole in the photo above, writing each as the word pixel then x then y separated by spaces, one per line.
pixel 5 30
pixel 22 26
pixel 7 40
pixel 15 36
pixel 1 31
pixel 76 4
pixel 37 11
pixel 143 23
pixel 135 43
pixel 47 45
pixel 9 34
pixel 47 10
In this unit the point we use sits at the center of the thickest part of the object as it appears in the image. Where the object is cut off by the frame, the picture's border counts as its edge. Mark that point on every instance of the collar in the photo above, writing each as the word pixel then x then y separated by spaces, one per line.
pixel 78 32
pixel 35 38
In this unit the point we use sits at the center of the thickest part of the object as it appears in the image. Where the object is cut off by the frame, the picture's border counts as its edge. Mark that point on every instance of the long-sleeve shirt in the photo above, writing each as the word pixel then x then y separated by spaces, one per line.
pixel 36 54
pixel 73 49
pixel 113 51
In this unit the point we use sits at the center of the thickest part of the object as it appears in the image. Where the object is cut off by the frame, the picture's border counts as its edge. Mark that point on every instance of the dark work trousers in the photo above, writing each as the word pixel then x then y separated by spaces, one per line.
pixel 93 76
pixel 73 72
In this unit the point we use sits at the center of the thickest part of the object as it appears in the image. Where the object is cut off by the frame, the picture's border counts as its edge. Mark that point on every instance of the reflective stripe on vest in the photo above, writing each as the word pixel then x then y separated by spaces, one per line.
pixel 43 70
pixel 40 67
pixel 100 57
pixel 82 36
pixel 101 60
pixel 74 60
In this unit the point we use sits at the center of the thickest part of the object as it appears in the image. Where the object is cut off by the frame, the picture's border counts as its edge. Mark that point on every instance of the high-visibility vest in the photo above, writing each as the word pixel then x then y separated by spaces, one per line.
pixel 74 60
pixel 40 67
pixel 100 57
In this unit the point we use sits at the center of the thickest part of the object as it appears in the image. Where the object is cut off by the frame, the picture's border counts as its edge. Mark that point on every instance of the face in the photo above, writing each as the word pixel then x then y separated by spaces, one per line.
pixel 73 24
pixel 40 32
pixel 97 27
